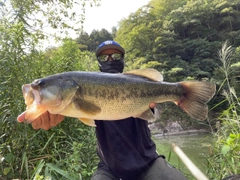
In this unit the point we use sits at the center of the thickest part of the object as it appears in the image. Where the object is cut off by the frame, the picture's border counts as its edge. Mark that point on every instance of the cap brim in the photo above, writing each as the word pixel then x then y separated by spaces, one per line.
pixel 111 46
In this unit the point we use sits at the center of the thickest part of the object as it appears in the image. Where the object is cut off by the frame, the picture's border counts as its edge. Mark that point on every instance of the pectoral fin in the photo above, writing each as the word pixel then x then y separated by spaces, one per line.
pixel 147 115
pixel 89 122
pixel 86 106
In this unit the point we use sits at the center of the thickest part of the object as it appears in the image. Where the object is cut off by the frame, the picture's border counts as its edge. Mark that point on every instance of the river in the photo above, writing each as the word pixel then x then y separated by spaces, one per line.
pixel 197 147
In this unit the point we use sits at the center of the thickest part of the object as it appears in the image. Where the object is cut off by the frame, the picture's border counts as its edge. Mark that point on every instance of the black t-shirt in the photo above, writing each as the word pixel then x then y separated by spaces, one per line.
pixel 125 147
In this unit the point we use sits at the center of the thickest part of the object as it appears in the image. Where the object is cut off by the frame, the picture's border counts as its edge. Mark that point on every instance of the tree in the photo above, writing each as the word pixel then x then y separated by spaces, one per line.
pixel 171 32
pixel 61 15
pixel 83 41
pixel 97 37
pixel 24 152
pixel 92 41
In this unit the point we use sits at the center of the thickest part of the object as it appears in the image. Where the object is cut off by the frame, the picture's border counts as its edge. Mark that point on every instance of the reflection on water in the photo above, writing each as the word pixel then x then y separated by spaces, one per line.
pixel 197 147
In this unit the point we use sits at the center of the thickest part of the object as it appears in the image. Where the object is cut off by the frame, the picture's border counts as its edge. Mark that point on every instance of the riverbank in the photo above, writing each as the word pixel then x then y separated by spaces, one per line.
pixel 186 132
pixel 175 128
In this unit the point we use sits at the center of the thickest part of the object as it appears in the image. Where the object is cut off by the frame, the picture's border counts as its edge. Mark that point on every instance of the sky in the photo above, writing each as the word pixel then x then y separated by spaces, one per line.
pixel 106 16
pixel 109 13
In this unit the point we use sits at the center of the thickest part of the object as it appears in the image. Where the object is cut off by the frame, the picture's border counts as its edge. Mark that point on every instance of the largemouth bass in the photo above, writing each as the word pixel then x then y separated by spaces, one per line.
pixel 91 96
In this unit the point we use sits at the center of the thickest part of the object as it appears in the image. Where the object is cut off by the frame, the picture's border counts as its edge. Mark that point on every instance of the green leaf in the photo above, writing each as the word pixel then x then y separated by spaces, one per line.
pixel 84 165
pixel 229 140
pixel 38 169
pixel 60 171
pixel 225 149
pixel 234 136
pixel 9 157
pixel 6 171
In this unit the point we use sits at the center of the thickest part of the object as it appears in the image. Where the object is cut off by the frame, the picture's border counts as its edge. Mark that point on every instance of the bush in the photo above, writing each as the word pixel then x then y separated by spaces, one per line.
pixel 65 152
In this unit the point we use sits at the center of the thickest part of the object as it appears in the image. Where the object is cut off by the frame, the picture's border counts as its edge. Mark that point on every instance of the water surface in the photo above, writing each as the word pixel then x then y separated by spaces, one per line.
pixel 197 147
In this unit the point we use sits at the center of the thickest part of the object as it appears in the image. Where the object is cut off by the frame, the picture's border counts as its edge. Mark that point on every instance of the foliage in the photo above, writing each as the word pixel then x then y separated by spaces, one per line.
pixel 180 34
pixel 92 41
pixel 61 15
pixel 24 152
pixel 68 57
pixel 225 158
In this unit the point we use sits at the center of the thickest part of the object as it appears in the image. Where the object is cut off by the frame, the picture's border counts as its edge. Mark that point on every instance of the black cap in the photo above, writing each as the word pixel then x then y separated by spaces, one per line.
pixel 109 44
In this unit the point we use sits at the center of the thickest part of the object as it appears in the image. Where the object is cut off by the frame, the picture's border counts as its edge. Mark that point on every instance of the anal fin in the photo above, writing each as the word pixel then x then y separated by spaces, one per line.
pixel 89 122
pixel 147 115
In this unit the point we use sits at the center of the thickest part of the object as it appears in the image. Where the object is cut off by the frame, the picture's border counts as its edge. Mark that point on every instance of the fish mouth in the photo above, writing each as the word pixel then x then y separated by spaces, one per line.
pixel 33 101
pixel 31 95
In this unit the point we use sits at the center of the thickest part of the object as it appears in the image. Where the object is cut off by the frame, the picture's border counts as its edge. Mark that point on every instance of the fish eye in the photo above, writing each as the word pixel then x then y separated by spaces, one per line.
pixel 38 83
pixel 41 82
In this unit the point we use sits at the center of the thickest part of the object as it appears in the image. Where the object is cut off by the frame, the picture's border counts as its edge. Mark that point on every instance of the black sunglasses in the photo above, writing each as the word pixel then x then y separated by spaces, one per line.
pixel 114 56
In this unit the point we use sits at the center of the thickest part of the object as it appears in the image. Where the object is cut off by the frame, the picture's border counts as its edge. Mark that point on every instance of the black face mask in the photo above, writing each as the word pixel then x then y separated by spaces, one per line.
pixel 115 66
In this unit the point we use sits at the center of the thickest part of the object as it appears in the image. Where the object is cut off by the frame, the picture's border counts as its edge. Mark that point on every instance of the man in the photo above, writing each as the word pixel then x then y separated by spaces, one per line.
pixel 125 147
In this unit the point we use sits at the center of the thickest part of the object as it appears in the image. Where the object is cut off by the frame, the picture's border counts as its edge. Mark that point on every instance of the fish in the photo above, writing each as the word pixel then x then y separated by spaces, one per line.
pixel 91 96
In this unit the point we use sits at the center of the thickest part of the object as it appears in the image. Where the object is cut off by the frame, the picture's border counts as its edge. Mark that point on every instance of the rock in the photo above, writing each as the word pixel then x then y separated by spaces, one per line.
pixel 171 128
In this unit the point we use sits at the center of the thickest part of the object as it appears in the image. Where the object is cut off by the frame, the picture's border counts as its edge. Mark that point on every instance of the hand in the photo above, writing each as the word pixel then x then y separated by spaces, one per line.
pixel 47 120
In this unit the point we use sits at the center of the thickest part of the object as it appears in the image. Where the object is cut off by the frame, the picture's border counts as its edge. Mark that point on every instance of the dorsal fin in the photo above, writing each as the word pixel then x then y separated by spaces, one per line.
pixel 149 73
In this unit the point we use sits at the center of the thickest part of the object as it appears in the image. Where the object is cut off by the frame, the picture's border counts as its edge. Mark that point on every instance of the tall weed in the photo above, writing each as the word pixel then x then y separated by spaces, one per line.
pixel 226 157
pixel 64 152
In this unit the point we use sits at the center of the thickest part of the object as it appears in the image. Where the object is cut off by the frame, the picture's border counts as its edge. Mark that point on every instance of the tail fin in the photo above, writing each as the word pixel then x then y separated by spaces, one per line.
pixel 195 98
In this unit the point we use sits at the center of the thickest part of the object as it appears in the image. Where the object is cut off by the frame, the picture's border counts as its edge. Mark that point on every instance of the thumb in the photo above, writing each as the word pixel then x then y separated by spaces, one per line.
pixel 21 117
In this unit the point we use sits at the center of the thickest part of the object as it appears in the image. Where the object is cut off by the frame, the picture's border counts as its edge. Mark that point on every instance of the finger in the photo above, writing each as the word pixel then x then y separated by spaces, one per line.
pixel 41 121
pixel 21 117
pixel 46 122
pixel 152 105
pixel 36 124
pixel 55 119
